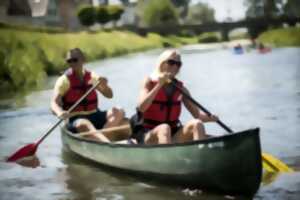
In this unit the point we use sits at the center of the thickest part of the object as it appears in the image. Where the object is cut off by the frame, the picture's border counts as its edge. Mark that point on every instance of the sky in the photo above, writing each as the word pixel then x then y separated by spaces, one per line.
pixel 224 8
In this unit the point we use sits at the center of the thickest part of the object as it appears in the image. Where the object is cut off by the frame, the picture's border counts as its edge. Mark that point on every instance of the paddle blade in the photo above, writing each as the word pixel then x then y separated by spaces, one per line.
pixel 23 152
pixel 272 164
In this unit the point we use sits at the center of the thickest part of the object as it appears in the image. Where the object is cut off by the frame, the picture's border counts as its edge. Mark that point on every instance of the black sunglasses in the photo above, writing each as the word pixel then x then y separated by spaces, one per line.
pixel 72 60
pixel 174 62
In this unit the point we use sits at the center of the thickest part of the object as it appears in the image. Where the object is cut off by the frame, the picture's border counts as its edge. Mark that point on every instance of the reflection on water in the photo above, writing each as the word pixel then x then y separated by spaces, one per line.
pixel 30 161
pixel 27 97
pixel 245 91
pixel 105 183
pixel 268 177
pixel 96 182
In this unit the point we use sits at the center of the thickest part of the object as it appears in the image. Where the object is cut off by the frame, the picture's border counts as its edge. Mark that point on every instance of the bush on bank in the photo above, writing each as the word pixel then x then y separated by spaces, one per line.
pixel 209 37
pixel 281 37
pixel 27 57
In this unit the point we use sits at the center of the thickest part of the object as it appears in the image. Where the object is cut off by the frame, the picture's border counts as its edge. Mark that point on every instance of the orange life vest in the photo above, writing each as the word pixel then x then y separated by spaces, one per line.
pixel 77 89
pixel 163 109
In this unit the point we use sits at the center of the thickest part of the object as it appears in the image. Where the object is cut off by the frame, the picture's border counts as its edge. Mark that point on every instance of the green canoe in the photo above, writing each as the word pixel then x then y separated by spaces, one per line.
pixel 231 163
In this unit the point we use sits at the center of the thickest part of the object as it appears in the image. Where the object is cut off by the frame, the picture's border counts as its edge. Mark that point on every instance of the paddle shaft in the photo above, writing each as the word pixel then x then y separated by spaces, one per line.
pixel 105 130
pixel 70 110
pixel 201 107
pixel 273 163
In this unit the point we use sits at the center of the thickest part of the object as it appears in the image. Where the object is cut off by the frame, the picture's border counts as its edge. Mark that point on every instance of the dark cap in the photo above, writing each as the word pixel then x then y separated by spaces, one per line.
pixel 75 53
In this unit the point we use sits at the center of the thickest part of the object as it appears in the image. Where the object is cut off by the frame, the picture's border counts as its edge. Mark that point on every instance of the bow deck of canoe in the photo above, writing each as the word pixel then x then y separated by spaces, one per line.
pixel 230 163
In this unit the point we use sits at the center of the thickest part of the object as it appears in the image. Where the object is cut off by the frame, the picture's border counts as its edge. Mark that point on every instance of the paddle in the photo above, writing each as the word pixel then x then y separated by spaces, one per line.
pixel 30 149
pixel 270 163
pixel 105 130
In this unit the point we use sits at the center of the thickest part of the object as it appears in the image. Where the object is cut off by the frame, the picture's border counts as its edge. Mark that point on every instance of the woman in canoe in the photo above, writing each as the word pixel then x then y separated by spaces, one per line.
pixel 160 106
pixel 73 84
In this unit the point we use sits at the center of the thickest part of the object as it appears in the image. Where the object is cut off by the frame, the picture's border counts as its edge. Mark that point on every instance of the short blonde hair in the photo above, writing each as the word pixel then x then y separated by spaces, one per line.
pixel 163 57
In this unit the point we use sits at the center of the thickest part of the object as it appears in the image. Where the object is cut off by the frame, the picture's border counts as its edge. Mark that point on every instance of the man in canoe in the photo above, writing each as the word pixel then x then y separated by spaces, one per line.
pixel 160 106
pixel 71 86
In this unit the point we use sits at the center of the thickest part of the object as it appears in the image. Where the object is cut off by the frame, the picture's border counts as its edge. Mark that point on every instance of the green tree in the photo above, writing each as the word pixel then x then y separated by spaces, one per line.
pixel 200 13
pixel 267 9
pixel 102 15
pixel 271 8
pixel 157 12
pixel 263 8
pixel 125 2
pixel 86 15
pixel 182 6
pixel 115 12
pixel 292 8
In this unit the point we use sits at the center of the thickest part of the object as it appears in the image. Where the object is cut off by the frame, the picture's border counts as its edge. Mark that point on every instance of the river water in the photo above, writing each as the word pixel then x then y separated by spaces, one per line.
pixel 245 91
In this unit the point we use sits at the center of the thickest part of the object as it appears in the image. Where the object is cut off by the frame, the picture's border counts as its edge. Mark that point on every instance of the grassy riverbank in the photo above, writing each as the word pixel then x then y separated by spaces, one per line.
pixel 281 37
pixel 27 57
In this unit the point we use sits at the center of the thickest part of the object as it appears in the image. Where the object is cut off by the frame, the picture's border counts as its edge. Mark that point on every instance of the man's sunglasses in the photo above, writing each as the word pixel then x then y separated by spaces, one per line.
pixel 174 62
pixel 72 60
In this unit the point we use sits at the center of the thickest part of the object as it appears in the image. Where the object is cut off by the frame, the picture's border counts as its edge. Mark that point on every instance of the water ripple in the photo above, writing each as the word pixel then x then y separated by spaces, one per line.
pixel 24 113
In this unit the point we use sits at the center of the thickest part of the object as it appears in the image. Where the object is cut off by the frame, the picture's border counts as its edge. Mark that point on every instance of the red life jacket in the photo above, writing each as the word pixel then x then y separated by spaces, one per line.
pixel 164 109
pixel 77 89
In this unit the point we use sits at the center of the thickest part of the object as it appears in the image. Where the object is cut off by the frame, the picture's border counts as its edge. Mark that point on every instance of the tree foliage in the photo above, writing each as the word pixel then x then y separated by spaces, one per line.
pixel 125 2
pixel 115 12
pixel 292 8
pixel 102 15
pixel 157 12
pixel 269 9
pixel 182 7
pixel 86 15
pixel 200 13
pixel 180 3
pixel 264 8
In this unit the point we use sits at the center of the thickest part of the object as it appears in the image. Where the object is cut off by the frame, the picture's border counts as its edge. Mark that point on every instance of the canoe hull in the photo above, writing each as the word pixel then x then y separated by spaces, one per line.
pixel 230 163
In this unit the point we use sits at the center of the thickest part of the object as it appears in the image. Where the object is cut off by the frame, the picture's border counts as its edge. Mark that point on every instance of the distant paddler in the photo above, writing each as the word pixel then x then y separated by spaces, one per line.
pixel 262 48
pixel 238 49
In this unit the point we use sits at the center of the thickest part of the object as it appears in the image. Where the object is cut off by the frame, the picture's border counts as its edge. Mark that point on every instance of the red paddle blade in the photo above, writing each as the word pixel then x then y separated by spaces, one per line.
pixel 25 151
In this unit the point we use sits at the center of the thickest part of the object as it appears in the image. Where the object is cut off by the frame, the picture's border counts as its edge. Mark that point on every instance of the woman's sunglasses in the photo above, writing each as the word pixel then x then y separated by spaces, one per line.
pixel 174 62
pixel 72 60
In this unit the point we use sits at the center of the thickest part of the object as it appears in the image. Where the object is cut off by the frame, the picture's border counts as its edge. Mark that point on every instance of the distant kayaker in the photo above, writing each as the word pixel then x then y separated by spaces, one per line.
pixel 71 86
pixel 160 106
pixel 261 46
pixel 263 49
pixel 238 49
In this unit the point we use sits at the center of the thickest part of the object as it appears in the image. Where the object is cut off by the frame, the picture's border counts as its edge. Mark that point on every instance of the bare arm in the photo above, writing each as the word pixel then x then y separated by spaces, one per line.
pixel 56 106
pixel 61 86
pixel 104 88
pixel 147 95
